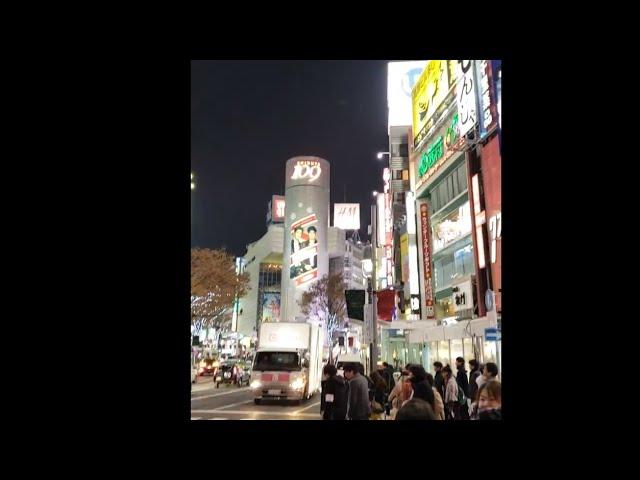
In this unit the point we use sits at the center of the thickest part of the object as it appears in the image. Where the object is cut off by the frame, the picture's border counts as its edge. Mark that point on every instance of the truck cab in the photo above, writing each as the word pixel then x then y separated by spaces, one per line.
pixel 280 374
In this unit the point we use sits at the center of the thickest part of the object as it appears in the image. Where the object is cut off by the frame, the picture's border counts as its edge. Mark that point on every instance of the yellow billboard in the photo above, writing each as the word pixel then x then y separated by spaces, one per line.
pixel 428 93
pixel 404 256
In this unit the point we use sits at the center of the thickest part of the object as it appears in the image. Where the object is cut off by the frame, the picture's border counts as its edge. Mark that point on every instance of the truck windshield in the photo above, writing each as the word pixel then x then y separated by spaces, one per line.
pixel 287 361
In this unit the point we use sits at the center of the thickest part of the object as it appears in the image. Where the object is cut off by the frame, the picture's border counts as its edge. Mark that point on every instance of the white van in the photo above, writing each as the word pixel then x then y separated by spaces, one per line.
pixel 347 358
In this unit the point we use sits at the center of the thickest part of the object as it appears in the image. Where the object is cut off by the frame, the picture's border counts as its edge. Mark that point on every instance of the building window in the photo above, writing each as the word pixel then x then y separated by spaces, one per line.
pixel 467 345
pixel 453 264
pixel 462 177
pixel 456 349
pixel 443 352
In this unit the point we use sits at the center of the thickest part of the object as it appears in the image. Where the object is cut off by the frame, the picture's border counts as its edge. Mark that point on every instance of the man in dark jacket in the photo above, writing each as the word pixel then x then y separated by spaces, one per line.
pixel 388 369
pixel 438 380
pixel 421 387
pixel 333 401
pixel 475 373
pixel 463 383
pixel 359 406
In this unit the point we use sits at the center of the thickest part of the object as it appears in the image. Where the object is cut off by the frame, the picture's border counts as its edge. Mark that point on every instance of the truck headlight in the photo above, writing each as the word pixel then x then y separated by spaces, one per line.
pixel 297 384
pixel 256 384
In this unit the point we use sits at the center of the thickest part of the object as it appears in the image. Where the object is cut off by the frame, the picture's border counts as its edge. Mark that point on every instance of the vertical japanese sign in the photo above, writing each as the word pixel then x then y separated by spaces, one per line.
pixel 486 100
pixel 426 255
pixel 466 97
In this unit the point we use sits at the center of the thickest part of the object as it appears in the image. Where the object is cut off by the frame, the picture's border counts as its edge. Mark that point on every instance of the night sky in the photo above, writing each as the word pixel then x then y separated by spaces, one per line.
pixel 249 117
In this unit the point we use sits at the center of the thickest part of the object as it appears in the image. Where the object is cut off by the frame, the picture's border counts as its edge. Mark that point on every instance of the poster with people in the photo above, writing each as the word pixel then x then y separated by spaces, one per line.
pixel 271 307
pixel 304 250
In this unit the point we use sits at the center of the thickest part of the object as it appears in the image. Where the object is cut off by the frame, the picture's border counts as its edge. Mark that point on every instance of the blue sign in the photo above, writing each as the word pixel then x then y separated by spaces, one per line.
pixel 492 334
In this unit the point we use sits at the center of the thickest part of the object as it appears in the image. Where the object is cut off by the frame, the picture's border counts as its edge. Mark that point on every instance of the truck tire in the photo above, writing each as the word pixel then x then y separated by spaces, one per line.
pixel 256 401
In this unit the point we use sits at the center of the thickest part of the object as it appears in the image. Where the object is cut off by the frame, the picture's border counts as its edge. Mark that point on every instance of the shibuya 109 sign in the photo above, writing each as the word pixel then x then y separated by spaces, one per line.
pixel 306 169
pixel 426 252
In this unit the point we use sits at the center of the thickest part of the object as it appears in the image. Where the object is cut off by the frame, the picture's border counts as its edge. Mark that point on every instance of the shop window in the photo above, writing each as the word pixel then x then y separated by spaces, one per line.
pixel 442 194
pixel 467 345
pixel 451 227
pixel 464 260
pixel 448 269
pixel 432 357
pixel 443 353
pixel 462 177
pixel 444 307
pixel 489 352
pixel 456 351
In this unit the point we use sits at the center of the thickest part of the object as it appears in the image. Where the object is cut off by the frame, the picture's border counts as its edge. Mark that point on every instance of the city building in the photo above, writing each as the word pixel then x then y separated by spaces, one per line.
pixel 263 262
pixel 454 176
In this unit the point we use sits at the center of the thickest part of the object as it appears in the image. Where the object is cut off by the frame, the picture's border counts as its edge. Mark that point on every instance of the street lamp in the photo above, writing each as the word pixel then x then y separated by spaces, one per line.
pixel 193 183
pixel 380 154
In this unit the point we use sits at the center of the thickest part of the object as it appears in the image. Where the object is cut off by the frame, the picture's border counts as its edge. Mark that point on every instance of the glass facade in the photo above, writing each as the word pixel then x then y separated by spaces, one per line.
pixel 269 284
pixel 455 347
pixel 446 351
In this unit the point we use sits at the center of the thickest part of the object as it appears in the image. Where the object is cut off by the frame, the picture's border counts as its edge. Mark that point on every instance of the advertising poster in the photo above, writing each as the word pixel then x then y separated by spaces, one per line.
pixel 304 250
pixel 428 95
pixel 401 77
pixel 271 307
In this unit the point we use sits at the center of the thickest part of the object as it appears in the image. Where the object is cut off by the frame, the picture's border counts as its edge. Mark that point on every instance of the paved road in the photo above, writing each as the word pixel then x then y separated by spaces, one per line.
pixel 233 403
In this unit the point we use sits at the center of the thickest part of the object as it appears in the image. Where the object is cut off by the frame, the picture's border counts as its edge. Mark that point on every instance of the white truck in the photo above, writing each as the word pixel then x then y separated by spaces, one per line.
pixel 288 362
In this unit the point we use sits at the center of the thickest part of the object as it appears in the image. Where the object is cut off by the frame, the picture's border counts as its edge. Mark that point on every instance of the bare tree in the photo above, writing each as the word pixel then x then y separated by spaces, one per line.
pixel 214 287
pixel 326 301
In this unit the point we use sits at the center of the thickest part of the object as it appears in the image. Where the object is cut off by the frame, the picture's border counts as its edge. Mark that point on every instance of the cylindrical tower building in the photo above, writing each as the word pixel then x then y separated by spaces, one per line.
pixel 306 256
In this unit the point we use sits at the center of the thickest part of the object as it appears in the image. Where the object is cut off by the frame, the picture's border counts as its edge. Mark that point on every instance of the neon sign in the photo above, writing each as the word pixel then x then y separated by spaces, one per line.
pixel 438 148
pixel 306 169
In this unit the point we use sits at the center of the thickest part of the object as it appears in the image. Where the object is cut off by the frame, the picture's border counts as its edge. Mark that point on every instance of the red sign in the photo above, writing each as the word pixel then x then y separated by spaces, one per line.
pixel 426 255
pixel 277 208
pixel 386 303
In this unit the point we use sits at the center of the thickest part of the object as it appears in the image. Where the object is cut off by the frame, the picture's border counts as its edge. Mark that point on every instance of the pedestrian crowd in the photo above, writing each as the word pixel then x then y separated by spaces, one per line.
pixel 417 395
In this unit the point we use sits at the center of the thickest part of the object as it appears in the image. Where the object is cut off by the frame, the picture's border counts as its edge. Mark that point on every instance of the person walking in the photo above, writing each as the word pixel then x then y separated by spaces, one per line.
pixel 437 399
pixel 463 384
pixel 379 396
pixel 451 395
pixel 473 386
pixel 391 382
pixel 421 388
pixel 489 373
pixel 473 375
pixel 401 392
pixel 359 406
pixel 333 401
pixel 438 380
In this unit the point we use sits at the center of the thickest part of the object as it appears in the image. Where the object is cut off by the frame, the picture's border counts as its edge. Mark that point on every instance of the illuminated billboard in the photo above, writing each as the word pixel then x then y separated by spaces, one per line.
pixel 304 250
pixel 401 77
pixel 346 216
pixel 275 213
pixel 271 307
pixel 429 94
